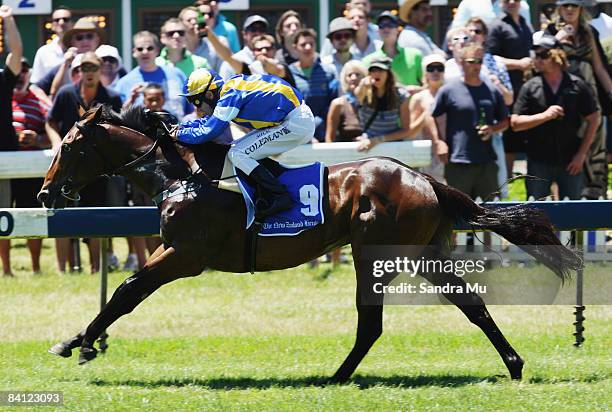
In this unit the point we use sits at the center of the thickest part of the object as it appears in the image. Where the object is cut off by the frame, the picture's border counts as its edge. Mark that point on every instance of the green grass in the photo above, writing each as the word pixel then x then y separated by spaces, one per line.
pixel 267 342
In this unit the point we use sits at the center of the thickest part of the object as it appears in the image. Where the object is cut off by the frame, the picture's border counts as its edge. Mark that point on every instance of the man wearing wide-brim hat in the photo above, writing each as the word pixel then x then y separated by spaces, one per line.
pixel 418 15
pixel 342 35
pixel 85 36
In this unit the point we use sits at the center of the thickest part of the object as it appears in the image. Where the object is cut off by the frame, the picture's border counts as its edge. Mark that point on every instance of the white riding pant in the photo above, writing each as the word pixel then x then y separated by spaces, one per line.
pixel 297 128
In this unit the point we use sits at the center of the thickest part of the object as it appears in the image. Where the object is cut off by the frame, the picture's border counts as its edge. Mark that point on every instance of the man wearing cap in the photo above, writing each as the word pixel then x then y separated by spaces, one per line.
pixel 418 15
pixel 51 55
pixel 112 65
pixel 87 93
pixel 406 61
pixel 8 137
pixel 550 108
pixel 84 36
pixel 341 33
pixel 253 26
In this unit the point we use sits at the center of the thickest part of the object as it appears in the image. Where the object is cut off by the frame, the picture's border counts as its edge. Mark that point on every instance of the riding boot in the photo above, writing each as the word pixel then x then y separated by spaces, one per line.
pixel 278 199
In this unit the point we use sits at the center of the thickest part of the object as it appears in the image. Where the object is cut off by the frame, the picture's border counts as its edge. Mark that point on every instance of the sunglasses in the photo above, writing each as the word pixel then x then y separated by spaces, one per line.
pixel 85 36
pixel 89 68
pixel 383 26
pixel 460 38
pixel 435 68
pixel 342 36
pixel 142 49
pixel 171 33
pixel 477 31
pixel 260 49
pixel 473 60
pixel 543 55
pixel 108 59
pixel 65 19
pixel 567 6
pixel 255 29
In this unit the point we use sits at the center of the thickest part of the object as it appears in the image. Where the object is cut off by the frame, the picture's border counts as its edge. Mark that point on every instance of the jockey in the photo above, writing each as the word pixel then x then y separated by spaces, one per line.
pixel 274 111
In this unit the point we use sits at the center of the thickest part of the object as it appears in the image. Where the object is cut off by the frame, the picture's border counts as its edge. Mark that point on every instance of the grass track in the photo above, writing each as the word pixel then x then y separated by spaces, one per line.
pixel 267 342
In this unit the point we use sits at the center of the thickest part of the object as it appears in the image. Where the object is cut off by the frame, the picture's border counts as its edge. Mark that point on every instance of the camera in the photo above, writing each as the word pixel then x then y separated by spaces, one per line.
pixel 202 32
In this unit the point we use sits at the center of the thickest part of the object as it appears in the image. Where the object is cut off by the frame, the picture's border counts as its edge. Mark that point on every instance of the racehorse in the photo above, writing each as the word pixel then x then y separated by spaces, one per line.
pixel 374 201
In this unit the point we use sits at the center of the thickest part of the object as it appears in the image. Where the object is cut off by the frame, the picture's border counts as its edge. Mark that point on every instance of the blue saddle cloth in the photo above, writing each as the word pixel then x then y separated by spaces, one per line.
pixel 305 185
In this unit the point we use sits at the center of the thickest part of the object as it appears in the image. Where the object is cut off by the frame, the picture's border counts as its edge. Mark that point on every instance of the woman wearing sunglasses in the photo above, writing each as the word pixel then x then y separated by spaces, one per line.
pixel 586 60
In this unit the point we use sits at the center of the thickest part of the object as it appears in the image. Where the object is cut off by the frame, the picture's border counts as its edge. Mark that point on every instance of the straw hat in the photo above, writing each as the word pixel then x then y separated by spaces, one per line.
pixel 407 7
pixel 84 24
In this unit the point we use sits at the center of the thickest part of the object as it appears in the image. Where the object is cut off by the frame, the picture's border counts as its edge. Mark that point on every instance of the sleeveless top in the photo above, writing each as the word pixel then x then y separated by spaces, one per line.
pixel 386 121
pixel 349 127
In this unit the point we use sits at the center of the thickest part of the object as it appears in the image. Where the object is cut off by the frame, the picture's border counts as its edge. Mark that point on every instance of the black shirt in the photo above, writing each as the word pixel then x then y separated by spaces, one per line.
pixel 65 110
pixel 556 141
pixel 512 41
pixel 8 138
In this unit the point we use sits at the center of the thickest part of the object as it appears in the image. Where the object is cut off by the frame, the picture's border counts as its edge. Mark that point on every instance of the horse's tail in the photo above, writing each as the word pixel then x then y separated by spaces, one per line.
pixel 523 225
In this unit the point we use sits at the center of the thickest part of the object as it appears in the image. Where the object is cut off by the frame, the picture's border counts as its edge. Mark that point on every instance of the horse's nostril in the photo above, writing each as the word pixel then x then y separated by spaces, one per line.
pixel 42 196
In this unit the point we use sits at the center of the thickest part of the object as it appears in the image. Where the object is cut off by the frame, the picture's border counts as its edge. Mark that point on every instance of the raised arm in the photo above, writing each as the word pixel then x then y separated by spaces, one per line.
pixel 13 60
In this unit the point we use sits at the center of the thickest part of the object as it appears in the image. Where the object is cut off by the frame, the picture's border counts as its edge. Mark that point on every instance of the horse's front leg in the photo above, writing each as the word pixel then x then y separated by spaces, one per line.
pixel 161 269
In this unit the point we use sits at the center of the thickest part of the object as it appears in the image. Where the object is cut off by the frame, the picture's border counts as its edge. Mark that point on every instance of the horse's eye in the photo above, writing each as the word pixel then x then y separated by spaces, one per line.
pixel 66 147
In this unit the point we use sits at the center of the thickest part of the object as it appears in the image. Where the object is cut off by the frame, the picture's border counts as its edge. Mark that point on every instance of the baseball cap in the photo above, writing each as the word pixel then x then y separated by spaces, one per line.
pixel 432 58
pixel 388 15
pixel 546 41
pixel 108 51
pixel 382 62
pixel 91 58
pixel 256 18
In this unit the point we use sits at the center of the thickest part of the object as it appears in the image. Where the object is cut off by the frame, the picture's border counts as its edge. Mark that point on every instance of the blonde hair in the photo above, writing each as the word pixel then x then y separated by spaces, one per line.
pixel 560 58
pixel 349 67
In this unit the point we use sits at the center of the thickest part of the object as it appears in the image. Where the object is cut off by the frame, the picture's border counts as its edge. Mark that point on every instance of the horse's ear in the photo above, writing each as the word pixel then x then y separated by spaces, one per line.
pixel 97 115
pixel 81 111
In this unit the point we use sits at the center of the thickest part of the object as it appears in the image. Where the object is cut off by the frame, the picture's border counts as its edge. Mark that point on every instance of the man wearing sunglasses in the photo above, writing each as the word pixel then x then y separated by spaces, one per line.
pixel 406 61
pixel 550 108
pixel 468 112
pixel 52 54
pixel 130 86
pixel 85 36
pixel 275 113
pixel 341 34
pixel 175 53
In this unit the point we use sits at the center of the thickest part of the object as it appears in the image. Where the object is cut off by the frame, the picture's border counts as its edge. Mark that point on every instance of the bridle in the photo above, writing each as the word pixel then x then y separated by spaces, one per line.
pixel 86 130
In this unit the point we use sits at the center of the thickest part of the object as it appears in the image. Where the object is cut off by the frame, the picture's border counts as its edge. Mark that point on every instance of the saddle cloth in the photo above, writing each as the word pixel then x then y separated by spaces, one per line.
pixel 304 184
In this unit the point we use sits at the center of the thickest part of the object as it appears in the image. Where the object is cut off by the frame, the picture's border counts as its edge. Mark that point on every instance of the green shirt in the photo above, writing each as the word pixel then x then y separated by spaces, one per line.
pixel 406 65
pixel 187 65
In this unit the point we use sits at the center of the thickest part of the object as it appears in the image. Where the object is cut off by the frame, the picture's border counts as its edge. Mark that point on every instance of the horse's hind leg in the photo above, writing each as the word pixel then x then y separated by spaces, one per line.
pixel 474 308
pixel 134 290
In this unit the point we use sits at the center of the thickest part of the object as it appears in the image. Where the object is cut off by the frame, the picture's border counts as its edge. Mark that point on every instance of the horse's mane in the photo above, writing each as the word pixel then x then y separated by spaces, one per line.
pixel 131 116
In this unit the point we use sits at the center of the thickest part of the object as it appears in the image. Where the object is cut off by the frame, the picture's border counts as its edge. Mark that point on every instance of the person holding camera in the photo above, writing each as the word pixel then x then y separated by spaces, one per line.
pixel 196 37
pixel 550 109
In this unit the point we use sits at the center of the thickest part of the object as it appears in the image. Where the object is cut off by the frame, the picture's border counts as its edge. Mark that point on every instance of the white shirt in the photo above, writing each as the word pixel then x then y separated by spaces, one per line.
pixel 603 24
pixel 485 10
pixel 47 57
pixel 413 37
pixel 245 55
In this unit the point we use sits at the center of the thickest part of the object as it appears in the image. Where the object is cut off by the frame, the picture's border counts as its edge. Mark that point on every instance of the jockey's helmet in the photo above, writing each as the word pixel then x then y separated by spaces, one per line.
pixel 200 81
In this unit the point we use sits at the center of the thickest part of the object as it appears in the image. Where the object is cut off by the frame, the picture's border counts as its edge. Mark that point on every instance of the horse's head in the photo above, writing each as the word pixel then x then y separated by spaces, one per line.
pixel 77 163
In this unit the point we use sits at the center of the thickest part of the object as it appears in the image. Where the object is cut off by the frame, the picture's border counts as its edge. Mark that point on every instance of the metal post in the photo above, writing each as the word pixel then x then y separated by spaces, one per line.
pixel 103 287
pixel 578 239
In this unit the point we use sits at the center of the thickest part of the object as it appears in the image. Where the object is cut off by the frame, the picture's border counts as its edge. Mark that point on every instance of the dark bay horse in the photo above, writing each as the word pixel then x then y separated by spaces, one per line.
pixel 375 201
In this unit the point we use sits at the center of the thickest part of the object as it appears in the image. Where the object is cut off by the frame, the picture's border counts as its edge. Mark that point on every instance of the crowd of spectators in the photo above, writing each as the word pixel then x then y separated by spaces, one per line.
pixel 496 90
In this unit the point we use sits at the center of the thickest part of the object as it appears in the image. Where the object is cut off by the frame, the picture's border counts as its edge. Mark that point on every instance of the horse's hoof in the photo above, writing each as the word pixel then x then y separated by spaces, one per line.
pixel 516 369
pixel 60 349
pixel 86 355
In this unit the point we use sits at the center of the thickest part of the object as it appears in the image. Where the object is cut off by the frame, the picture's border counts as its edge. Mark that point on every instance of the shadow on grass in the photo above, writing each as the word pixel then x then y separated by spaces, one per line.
pixel 363 382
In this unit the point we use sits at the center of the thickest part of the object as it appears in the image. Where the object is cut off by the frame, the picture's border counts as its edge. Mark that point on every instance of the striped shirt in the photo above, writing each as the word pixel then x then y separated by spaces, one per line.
pixel 29 113
pixel 254 101
pixel 386 121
